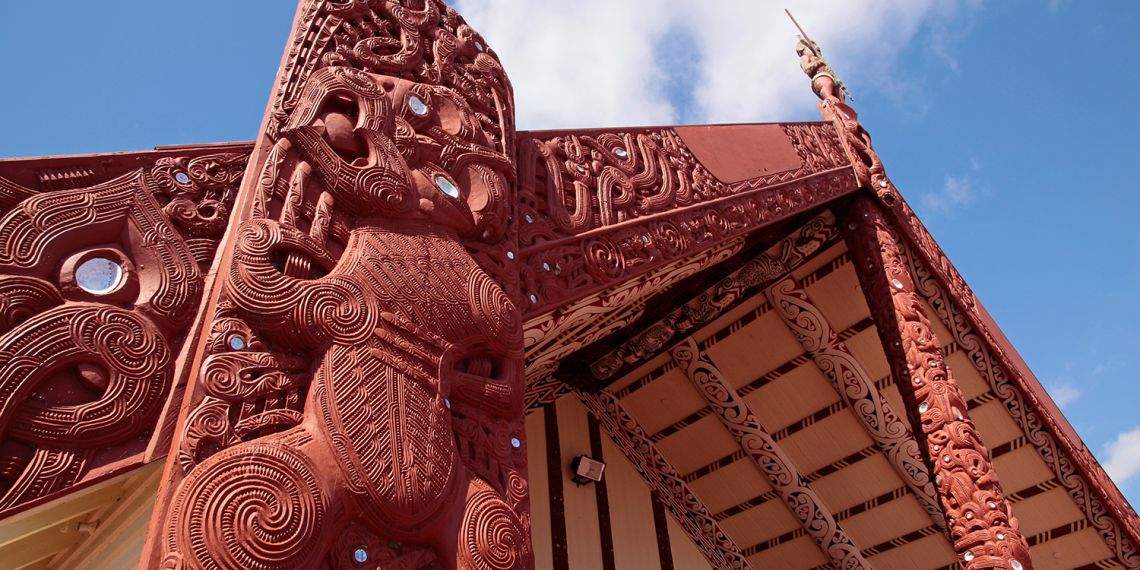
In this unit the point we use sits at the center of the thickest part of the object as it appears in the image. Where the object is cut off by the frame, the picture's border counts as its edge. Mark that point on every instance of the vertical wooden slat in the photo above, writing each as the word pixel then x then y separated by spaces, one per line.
pixel 602 491
pixel 557 499
pixel 661 524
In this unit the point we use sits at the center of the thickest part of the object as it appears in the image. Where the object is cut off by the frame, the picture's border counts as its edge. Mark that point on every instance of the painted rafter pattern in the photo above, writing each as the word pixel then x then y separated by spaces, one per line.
pixel 783 257
pixel 1024 415
pixel 667 484
pixel 761 447
pixel 984 532
pixel 857 389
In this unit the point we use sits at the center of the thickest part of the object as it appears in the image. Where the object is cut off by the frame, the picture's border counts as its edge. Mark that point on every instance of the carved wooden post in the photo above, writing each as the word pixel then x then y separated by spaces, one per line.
pixel 857 389
pixel 984 532
pixel 773 463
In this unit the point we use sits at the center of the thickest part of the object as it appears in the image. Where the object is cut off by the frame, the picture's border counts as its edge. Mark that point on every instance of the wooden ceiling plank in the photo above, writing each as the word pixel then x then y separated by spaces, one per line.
pixel 687 509
pixel 52 514
pixel 1014 401
pixel 757 444
pixel 856 387
pixel 46 542
pixel 130 515
pixel 966 483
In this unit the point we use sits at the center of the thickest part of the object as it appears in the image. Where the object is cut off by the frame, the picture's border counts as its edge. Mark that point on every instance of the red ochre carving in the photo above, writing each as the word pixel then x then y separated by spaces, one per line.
pixel 984 532
pixel 357 401
pixel 86 368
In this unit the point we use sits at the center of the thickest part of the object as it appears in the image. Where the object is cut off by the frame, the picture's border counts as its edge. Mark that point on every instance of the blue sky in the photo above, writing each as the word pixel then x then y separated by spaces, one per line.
pixel 1007 125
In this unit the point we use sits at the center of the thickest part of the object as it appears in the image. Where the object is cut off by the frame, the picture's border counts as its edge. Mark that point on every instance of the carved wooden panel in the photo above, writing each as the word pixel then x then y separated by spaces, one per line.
pixel 357 397
pixel 98 282
pixel 982 527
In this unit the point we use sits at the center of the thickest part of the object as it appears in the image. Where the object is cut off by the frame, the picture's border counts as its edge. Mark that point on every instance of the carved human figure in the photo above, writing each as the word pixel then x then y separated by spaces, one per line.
pixel 359 398
pixel 823 80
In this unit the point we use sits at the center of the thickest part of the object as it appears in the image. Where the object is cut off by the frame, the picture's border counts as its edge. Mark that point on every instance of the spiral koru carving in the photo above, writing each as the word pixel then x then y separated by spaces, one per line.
pixel 493 536
pixel 366 324
pixel 253 507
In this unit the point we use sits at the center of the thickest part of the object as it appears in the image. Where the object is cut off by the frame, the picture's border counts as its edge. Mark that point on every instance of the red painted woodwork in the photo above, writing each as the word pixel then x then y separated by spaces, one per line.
pixel 86 368
pixel 983 530
pixel 356 397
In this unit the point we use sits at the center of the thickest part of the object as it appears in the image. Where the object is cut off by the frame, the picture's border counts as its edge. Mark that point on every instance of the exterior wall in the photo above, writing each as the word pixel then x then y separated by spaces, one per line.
pixel 632 530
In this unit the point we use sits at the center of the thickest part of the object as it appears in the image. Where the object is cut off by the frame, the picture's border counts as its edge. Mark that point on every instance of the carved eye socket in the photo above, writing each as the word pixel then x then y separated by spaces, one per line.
pixel 447 186
pixel 99 276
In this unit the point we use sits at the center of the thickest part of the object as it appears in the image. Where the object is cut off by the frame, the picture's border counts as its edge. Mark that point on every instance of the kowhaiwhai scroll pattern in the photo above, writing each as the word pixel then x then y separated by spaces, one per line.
pixel 777 468
pixel 667 484
pixel 984 532
pixel 857 389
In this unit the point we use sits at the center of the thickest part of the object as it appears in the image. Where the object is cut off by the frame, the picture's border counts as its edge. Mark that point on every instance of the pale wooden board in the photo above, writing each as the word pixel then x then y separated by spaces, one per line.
pixel 1021 468
pixel 1076 549
pixel 1047 511
pixel 932 551
pixel 825 442
pixel 839 298
pixel 799 554
pixel 686 555
pixel 730 486
pixel 631 513
pixel 761 523
pixel 792 397
pixel 996 425
pixel 855 484
pixel 886 522
pixel 539 489
pixel 761 346
pixel 698 445
pixel 583 539
pixel 662 402
pixel 637 373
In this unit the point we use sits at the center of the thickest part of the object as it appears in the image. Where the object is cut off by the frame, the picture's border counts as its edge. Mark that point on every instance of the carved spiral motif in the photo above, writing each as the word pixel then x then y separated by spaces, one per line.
pixel 337 310
pixel 256 512
pixel 496 314
pixel 604 261
pixel 493 533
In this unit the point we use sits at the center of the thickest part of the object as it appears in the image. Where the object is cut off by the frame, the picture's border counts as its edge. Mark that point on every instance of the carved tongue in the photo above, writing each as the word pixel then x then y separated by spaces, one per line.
pixel 339 134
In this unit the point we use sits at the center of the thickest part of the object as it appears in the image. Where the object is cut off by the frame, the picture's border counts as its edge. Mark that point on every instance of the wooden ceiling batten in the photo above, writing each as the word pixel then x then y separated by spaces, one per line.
pixel 776 466
pixel 858 390
pixel 1014 401
pixel 665 481
pixel 967 486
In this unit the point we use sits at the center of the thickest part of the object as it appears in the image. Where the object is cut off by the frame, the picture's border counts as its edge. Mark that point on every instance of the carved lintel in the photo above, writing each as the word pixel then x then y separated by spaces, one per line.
pixel 760 446
pixel 984 532
pixel 858 390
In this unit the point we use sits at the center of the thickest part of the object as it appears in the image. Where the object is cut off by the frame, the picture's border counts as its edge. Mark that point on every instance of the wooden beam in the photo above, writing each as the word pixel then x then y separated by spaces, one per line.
pixel 666 483
pixel 757 444
pixel 122 527
pixel 856 387
pixel 982 527
pixel 1013 400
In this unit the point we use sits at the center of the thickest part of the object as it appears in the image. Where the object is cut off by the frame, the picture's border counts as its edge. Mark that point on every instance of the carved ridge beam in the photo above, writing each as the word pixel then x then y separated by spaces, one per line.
pixel 868 169
pixel 776 466
pixel 665 481
pixel 982 527
pixel 1026 417
pixel 856 387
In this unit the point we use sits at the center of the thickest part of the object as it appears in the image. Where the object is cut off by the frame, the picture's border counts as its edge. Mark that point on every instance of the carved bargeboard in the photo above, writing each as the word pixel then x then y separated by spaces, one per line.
pixel 98 282
pixel 356 399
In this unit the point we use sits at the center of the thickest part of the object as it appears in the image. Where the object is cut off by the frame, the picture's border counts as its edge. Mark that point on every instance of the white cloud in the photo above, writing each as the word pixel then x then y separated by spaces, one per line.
pixel 1123 456
pixel 1063 393
pixel 600 62
pixel 955 191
